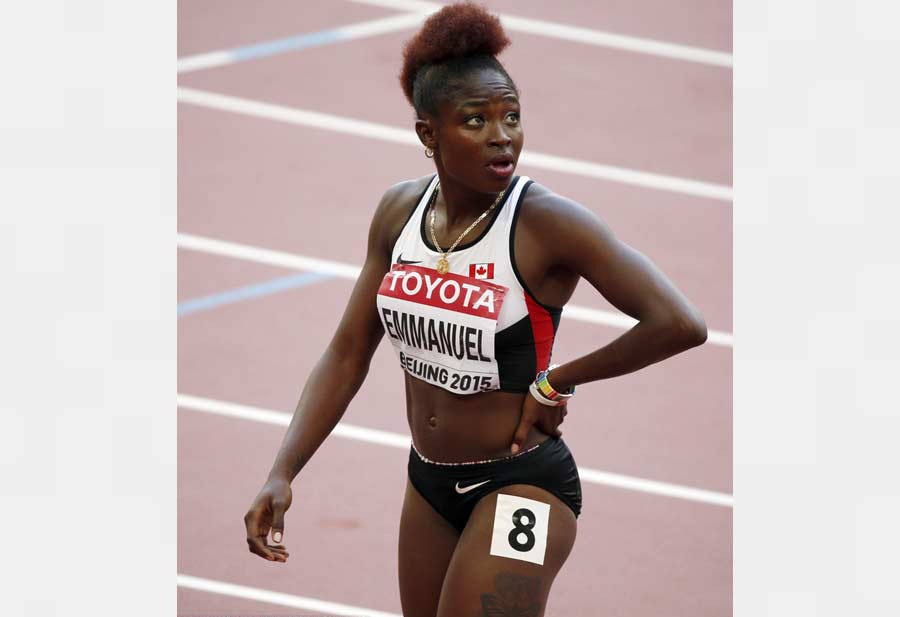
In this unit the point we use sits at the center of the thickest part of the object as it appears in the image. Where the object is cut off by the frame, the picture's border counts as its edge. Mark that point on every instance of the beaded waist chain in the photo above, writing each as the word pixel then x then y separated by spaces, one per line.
pixel 491 460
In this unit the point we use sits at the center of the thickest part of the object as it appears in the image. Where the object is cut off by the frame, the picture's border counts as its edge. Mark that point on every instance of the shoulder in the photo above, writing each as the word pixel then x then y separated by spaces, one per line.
pixel 546 217
pixel 402 197
pixel 395 208
pixel 541 208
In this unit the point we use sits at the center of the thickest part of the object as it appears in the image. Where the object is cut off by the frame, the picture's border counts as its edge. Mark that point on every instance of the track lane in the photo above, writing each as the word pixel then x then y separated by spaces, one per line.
pixel 662 116
pixel 210 25
pixel 699 23
pixel 194 603
pixel 201 275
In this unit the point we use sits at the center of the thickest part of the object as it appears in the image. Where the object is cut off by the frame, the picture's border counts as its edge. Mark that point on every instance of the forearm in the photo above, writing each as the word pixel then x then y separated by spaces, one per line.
pixel 648 342
pixel 329 389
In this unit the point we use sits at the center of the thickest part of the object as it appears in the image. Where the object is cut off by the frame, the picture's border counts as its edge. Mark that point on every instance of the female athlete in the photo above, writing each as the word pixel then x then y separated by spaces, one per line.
pixel 467 272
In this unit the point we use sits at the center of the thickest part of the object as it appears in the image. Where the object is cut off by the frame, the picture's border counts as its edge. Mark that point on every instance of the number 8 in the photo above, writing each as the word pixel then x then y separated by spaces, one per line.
pixel 523 528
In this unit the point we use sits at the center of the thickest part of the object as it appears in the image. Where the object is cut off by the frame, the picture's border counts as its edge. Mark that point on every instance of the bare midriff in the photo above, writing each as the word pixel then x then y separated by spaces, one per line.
pixel 457 428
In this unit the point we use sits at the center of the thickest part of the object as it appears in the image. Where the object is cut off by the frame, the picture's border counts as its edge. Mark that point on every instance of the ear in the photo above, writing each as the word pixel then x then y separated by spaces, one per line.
pixel 426 130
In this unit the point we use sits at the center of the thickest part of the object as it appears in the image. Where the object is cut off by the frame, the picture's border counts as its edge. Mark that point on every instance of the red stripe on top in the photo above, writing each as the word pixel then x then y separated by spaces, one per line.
pixel 447 291
pixel 542 330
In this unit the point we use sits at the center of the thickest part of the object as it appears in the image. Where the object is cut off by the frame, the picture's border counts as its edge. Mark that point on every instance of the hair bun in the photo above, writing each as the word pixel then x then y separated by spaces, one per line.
pixel 457 30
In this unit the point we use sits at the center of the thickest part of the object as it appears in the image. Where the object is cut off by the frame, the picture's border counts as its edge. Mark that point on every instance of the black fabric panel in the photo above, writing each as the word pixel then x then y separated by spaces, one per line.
pixel 514 350
pixel 512 251
pixel 555 314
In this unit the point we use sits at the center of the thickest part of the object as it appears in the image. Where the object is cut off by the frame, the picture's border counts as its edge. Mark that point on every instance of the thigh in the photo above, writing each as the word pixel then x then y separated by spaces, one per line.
pixel 426 543
pixel 481 583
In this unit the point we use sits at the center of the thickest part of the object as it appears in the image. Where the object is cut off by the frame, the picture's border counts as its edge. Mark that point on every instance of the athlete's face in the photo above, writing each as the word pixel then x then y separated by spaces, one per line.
pixel 479 132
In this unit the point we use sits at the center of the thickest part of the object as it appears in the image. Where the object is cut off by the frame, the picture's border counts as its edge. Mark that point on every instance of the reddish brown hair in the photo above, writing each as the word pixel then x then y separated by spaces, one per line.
pixel 454 40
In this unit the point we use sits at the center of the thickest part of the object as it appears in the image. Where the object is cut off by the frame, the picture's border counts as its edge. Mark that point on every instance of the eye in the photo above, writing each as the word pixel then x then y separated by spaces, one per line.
pixel 513 117
pixel 474 120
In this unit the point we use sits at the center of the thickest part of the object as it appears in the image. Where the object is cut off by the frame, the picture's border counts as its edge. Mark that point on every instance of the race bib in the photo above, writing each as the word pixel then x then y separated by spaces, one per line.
pixel 520 528
pixel 443 326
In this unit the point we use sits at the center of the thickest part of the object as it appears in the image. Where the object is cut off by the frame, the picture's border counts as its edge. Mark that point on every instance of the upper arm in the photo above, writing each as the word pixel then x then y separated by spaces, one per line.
pixel 624 276
pixel 360 329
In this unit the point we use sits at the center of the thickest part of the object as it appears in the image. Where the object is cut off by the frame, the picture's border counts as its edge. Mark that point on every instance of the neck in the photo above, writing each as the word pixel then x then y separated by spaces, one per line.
pixel 460 202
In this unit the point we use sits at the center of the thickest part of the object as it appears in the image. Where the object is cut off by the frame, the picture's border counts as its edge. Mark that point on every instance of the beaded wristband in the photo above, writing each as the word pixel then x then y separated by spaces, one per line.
pixel 544 392
pixel 543 383
pixel 540 398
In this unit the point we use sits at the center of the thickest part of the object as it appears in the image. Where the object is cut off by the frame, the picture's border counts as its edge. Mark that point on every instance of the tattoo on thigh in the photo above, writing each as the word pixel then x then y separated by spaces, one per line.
pixel 515 595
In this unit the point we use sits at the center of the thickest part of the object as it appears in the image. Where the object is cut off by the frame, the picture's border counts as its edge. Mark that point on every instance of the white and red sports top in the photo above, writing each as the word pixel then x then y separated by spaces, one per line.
pixel 476 328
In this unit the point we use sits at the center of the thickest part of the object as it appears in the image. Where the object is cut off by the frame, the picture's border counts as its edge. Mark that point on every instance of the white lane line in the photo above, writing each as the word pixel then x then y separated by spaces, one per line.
pixel 299 262
pixel 619 320
pixel 385 438
pixel 276 597
pixel 581 35
pixel 208 60
pixel 627 176
pixel 266 256
pixel 349 32
pixel 279 418
pixel 407 136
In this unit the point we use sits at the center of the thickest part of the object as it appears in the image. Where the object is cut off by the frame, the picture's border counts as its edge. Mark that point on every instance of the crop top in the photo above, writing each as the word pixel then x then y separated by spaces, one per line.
pixel 478 327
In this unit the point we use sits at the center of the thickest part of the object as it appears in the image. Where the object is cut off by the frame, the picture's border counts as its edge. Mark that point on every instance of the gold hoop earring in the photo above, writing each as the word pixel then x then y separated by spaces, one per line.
pixel 429 153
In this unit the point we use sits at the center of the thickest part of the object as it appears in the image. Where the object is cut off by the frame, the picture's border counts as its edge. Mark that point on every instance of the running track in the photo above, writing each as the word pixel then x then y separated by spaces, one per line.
pixel 291 125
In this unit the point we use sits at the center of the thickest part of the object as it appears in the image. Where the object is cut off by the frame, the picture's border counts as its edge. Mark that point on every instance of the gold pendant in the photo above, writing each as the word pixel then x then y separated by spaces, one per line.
pixel 442 265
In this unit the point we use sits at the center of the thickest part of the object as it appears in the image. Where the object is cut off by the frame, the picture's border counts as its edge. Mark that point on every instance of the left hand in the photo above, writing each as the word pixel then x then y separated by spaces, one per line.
pixel 546 418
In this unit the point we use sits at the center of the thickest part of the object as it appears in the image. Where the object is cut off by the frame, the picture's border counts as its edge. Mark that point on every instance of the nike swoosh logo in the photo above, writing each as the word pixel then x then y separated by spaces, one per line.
pixel 400 260
pixel 462 491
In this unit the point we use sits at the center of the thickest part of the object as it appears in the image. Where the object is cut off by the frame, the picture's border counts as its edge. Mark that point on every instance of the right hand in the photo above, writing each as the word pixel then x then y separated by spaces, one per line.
pixel 546 418
pixel 267 513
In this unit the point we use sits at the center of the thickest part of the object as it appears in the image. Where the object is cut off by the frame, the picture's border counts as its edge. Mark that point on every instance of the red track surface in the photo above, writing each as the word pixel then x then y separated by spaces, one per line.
pixel 279 186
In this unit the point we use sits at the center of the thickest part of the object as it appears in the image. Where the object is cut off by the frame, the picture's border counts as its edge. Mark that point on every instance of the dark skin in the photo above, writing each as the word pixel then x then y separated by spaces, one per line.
pixel 479 124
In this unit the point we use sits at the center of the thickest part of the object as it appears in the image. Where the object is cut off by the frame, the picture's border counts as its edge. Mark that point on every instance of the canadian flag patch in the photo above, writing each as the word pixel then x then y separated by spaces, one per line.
pixel 481 271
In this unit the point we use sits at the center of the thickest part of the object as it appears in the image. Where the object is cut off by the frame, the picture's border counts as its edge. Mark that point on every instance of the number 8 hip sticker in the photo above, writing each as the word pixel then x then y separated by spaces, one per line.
pixel 520 528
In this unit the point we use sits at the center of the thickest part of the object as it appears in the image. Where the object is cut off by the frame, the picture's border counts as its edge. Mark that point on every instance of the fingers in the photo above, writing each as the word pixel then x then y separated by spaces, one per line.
pixel 561 412
pixel 562 417
pixel 279 551
pixel 550 425
pixel 549 419
pixel 254 543
pixel 258 547
pixel 257 530
pixel 521 432
pixel 268 552
pixel 278 508
pixel 267 515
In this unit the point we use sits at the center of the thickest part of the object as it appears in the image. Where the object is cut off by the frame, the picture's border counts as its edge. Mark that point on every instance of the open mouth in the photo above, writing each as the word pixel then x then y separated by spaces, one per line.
pixel 501 166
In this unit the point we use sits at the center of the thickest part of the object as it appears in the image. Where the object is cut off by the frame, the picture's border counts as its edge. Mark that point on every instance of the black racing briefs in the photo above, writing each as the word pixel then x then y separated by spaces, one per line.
pixel 453 489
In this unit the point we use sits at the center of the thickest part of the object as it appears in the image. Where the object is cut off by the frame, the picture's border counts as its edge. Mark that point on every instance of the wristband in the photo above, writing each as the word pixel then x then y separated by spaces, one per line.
pixel 540 398
pixel 545 393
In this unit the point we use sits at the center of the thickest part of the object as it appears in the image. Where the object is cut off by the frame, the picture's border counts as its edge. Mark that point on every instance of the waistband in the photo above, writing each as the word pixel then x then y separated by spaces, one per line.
pixel 491 460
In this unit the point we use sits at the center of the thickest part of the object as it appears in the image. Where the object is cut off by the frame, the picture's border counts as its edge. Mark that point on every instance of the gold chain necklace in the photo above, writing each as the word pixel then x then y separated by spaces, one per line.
pixel 443 265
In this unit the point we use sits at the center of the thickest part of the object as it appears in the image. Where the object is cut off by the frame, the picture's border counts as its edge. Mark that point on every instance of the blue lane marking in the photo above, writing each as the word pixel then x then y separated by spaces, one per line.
pixel 249 292
pixel 270 48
